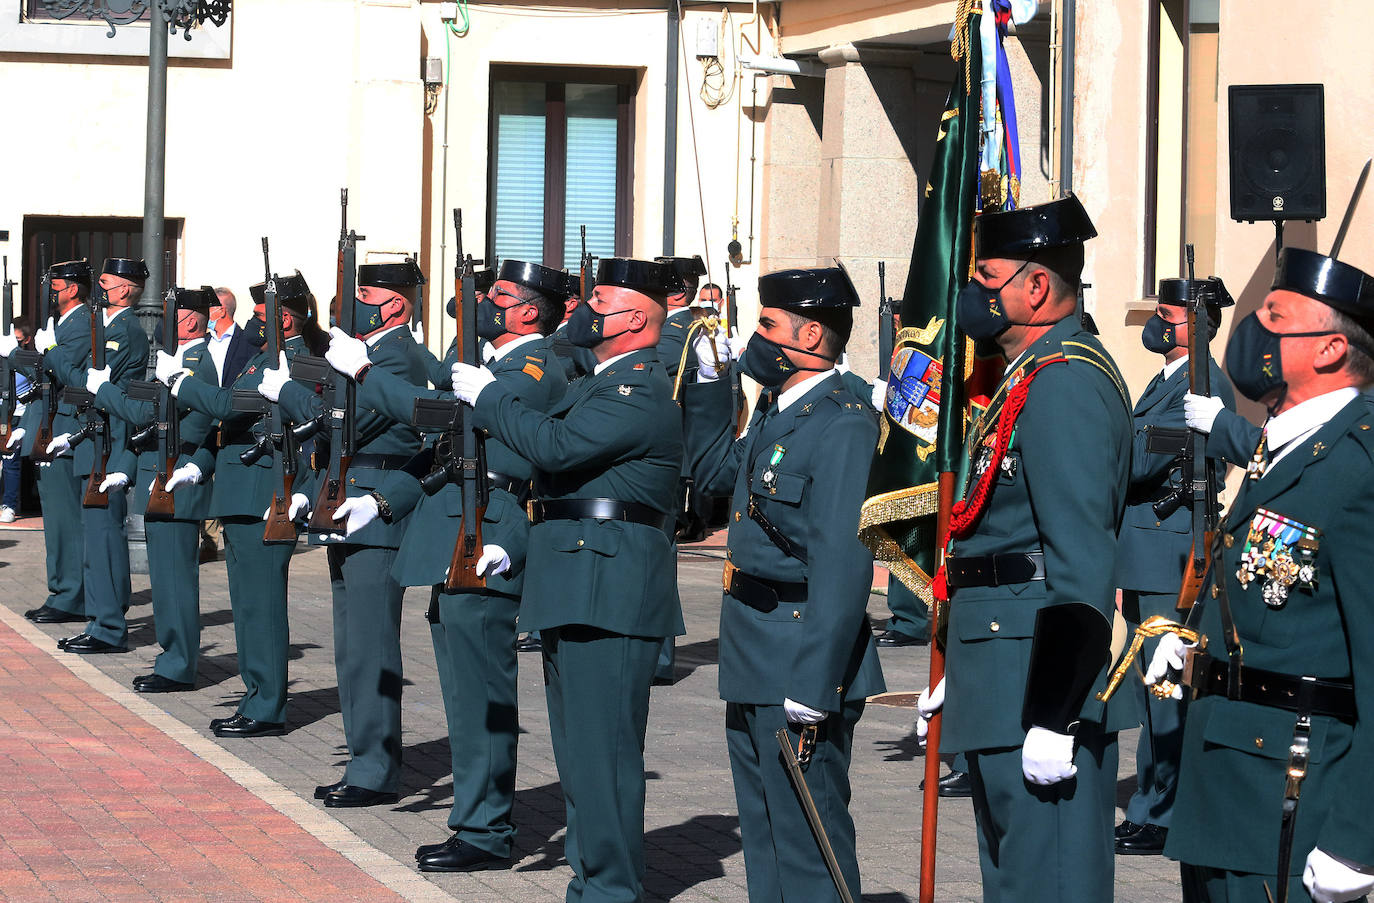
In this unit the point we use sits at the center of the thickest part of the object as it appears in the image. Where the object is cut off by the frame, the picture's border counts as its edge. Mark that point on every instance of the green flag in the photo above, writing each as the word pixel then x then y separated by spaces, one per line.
pixel 922 424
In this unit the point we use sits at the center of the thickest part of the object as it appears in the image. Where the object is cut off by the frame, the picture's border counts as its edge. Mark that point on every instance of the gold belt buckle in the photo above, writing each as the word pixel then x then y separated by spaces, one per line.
pixel 727 575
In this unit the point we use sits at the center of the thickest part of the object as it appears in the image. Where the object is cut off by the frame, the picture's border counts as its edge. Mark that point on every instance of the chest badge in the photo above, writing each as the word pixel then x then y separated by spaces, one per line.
pixel 770 475
pixel 1280 550
pixel 625 390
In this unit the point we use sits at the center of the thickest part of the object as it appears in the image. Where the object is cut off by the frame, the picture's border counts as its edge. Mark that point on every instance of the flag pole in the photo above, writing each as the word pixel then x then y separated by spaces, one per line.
pixel 930 795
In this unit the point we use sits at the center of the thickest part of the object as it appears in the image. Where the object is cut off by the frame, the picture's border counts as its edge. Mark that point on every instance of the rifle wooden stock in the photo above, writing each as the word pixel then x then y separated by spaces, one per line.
pixel 93 497
pixel 1193 573
pixel 280 527
pixel 161 504
pixel 472 469
pixel 333 491
pixel 462 567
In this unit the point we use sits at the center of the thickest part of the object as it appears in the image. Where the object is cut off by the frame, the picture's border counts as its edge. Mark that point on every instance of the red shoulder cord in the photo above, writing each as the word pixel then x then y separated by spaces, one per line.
pixel 969 509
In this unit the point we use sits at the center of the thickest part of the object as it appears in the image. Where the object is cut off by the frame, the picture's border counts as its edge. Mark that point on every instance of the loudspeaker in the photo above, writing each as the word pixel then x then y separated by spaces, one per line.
pixel 1278 152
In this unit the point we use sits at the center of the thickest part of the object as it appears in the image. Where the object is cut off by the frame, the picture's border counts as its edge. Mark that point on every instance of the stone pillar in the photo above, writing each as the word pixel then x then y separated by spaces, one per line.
pixel 870 191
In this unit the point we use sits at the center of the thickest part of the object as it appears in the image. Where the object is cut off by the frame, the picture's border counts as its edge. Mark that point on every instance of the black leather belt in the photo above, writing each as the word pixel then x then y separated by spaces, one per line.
pixel 189 448
pixel 759 592
pixel 228 437
pixel 995 570
pixel 514 485
pixel 602 509
pixel 380 462
pixel 1333 698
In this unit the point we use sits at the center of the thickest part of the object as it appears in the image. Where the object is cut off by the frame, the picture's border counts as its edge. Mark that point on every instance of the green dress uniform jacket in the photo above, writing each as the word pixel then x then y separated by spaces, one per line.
pixel 1151 556
pixel 1062 491
pixel 59 489
pixel 474 631
pixel 106 577
pixel 366 596
pixel 806 470
pixel 257 570
pixel 1235 753
pixel 601 593
pixel 1233 438
pixel 173 545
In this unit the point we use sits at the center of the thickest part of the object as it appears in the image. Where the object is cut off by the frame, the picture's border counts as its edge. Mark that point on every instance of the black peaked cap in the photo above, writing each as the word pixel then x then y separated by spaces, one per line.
pixel 126 268
pixel 1016 233
pixel 405 274
pixel 545 280
pixel 72 271
pixel 1339 285
pixel 647 276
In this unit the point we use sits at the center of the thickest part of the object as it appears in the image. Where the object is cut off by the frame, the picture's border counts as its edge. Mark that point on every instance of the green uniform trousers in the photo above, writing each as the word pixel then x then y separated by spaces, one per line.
pixel 174 572
pixel 782 861
pixel 367 661
pixel 1052 843
pixel 257 594
pixel 474 645
pixel 596 684
pixel 910 616
pixel 60 492
pixel 1161 738
pixel 107 569
pixel 1202 884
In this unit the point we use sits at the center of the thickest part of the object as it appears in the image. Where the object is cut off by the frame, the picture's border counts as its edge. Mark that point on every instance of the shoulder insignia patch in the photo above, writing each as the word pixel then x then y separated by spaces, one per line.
pixel 533 370
pixel 675 324
pixel 625 390
pixel 112 345
pixel 638 367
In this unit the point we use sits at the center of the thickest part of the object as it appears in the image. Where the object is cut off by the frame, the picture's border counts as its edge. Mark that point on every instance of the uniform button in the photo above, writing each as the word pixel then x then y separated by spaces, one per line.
pixel 353 481
pixel 1228 540
pixel 1216 591
pixel 1259 743
pixel 736 516
pixel 839 689
pixel 580 542
pixel 994 627
pixel 1159 523
pixel 796 614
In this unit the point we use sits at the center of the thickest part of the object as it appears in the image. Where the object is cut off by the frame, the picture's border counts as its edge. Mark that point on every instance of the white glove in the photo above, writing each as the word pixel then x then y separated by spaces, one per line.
pixel 927 705
pixel 1200 411
pixel 356 513
pixel 1168 654
pixel 273 378
pixel 493 561
pixel 97 378
pixel 16 436
pixel 346 354
pixel 60 445
pixel 417 332
pixel 1332 880
pixel 1047 757
pixel 712 355
pixel 45 338
pixel 166 366
pixel 186 475
pixel 114 481
pixel 801 714
pixel 469 381
pixel 8 344
pixel 300 505
pixel 879 394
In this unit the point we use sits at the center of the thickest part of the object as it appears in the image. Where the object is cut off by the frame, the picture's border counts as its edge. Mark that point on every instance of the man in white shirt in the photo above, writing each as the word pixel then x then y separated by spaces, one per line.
pixel 222 328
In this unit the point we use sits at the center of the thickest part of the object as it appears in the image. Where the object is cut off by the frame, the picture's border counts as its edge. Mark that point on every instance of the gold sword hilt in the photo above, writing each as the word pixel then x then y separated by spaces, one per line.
pixel 1153 626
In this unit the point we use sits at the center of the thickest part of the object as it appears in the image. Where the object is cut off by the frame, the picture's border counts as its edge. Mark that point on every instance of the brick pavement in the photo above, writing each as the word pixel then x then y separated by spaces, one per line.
pixel 692 840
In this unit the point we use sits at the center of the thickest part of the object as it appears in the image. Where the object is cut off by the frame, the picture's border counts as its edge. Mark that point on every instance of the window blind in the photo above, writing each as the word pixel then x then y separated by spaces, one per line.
pixel 591 174
pixel 519 190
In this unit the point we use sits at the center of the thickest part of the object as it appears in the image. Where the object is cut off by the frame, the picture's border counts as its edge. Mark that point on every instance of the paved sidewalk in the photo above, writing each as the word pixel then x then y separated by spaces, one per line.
pixel 111 795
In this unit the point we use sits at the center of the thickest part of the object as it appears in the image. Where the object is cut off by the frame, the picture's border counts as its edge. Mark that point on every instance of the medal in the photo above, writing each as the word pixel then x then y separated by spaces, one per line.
pixel 1280 550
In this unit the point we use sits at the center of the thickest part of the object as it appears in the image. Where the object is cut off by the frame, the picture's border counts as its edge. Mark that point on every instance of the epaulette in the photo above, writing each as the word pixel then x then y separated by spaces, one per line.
pixel 1363 428
pixel 1081 351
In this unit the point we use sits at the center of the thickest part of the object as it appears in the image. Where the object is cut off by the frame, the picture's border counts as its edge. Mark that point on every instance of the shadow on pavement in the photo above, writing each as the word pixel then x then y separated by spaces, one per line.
pixel 693 656
pixel 905 749
pixel 702 843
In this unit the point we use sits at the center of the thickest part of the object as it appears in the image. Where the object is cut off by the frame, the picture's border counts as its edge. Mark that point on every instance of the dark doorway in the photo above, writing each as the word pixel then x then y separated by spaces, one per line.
pixel 92 237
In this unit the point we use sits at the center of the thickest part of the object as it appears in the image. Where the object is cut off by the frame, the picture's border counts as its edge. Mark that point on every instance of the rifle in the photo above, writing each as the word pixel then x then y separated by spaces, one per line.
pixel 731 325
pixel 279 527
pixel 472 461
pixel 8 401
pixel 887 330
pixel 48 391
pixel 342 426
pixel 97 425
pixel 418 311
pixel 161 504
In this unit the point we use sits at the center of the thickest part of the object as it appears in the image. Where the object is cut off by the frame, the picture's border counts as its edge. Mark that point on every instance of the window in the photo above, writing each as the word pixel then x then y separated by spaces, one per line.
pixel 37 10
pixel 561 149
pixel 95 238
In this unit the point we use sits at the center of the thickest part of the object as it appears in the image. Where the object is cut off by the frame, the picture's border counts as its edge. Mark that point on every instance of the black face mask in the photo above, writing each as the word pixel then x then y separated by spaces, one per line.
pixel 367 318
pixel 587 328
pixel 101 296
pixel 452 308
pixel 1158 335
pixel 255 331
pixel 766 362
pixel 491 317
pixel 980 311
pixel 1254 360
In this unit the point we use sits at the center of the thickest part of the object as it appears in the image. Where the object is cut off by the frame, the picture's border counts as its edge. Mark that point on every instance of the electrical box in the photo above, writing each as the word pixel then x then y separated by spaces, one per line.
pixel 432 70
pixel 708 38
pixel 448 12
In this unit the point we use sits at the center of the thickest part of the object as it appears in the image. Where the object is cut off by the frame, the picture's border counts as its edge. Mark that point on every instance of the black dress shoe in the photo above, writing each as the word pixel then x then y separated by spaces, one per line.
pixel 242 726
pixel 530 642
pixel 217 723
pixel 955 785
pixel 460 856
pixel 46 614
pixel 1148 841
pixel 89 645
pixel 323 790
pixel 890 638
pixel 63 641
pixel 1126 829
pixel 156 683
pixel 351 797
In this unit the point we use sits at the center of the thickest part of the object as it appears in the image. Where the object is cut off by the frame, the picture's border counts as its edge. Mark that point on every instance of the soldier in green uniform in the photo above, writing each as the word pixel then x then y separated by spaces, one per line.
pixel 58 487
pixel 366 596
pixel 241 493
pixel 1274 787
pixel 795 647
pixel 106 577
pixel 173 544
pixel 1152 554
pixel 599 572
pixel 1030 568
pixel 473 630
